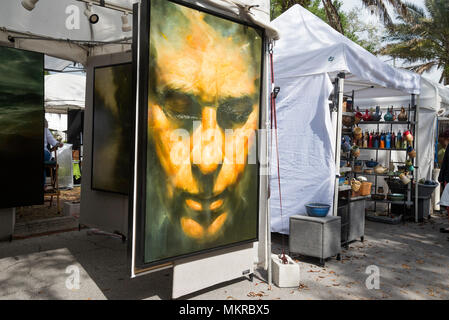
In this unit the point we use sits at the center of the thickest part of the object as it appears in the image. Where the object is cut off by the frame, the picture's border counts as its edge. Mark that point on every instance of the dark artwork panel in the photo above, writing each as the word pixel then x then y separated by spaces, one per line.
pixel 203 108
pixel 112 128
pixel 75 126
pixel 21 128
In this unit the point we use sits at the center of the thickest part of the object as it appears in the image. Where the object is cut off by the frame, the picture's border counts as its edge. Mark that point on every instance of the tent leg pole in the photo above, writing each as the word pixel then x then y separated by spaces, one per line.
pixel 270 280
pixel 268 162
pixel 417 153
pixel 340 82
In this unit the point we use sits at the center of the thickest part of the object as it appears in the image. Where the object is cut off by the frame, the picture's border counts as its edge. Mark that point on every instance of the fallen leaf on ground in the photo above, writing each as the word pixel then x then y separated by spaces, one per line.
pixel 258 294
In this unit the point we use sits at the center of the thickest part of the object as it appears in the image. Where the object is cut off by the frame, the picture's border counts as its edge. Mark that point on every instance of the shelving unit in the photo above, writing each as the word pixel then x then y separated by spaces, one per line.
pixel 350 209
pixel 407 202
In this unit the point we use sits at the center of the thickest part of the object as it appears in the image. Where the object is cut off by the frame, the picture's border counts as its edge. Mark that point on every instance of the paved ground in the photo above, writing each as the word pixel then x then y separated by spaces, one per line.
pixel 413 260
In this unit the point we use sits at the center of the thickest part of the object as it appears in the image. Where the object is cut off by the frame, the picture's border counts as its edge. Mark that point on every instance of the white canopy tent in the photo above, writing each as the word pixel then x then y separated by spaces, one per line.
pixel 64 91
pixel 309 54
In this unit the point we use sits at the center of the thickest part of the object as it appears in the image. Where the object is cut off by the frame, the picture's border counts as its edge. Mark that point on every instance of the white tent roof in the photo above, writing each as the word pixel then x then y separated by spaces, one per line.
pixel 310 46
pixel 44 29
pixel 64 91
pixel 48 18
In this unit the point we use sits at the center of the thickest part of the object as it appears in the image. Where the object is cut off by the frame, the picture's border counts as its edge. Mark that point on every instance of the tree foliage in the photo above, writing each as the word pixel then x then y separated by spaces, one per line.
pixel 422 38
pixel 349 24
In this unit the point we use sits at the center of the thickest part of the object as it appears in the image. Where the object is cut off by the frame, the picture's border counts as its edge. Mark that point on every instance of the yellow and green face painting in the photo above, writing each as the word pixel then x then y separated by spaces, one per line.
pixel 203 113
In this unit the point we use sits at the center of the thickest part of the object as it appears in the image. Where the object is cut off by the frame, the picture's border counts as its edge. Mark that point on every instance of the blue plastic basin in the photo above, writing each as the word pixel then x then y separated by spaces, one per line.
pixel 317 209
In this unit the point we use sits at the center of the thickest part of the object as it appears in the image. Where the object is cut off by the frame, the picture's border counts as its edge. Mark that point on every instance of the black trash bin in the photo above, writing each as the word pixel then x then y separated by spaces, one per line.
pixel 424 199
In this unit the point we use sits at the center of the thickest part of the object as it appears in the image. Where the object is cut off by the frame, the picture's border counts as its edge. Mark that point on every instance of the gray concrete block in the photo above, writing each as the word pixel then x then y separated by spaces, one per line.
pixel 315 237
pixel 71 208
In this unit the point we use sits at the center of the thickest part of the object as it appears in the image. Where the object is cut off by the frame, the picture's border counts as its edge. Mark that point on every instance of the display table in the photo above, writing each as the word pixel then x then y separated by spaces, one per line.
pixel 352 215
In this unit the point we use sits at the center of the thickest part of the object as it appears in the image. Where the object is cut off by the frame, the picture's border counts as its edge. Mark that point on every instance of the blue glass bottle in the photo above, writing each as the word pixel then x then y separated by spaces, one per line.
pixel 388 140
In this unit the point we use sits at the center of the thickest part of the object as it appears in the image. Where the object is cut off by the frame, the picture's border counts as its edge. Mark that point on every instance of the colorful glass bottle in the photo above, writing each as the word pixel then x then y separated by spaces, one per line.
pixel 376 140
pixel 399 140
pixel 382 140
pixel 388 140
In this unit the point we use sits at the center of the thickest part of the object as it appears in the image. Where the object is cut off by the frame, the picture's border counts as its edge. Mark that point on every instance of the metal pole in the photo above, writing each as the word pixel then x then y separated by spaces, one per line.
pixel 268 145
pixel 108 5
pixel 340 83
pixel 416 105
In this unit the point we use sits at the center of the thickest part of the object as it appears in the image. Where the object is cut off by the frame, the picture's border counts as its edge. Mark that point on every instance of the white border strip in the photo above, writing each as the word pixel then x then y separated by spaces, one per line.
pixel 136 133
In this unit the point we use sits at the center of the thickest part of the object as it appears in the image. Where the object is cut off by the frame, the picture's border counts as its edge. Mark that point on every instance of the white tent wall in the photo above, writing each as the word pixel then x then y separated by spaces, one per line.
pixel 306 148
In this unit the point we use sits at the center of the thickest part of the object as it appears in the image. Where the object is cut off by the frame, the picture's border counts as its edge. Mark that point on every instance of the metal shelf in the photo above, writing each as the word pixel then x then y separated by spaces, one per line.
pixel 393 202
pixel 384 149
pixel 344 188
pixel 345 169
pixel 377 174
pixel 387 122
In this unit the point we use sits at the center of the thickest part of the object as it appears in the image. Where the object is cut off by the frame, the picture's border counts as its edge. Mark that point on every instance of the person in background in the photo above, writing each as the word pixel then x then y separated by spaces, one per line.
pixel 49 140
pixel 443 177
pixel 443 141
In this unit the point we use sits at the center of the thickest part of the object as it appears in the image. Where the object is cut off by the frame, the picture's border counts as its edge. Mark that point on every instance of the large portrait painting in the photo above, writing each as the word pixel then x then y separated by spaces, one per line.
pixel 201 119
pixel 21 128
pixel 112 128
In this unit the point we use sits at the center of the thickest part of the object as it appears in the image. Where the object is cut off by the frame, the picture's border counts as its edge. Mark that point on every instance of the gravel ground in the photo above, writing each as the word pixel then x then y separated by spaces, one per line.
pixel 31 213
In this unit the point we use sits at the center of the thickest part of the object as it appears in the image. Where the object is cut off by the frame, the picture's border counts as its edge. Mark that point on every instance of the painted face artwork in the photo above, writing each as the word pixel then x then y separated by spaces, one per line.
pixel 203 113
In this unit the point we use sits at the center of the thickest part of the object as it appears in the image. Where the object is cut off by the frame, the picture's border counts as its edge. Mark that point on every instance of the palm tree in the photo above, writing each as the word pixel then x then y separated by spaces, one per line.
pixel 332 12
pixel 422 38
pixel 399 7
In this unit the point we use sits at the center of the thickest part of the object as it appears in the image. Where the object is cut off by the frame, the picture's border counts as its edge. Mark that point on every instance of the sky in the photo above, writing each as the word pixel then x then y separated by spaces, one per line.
pixel 348 5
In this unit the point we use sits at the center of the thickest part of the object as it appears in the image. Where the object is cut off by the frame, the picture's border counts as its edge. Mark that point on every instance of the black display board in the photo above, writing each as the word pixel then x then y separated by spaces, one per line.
pixel 21 127
pixel 75 125
pixel 199 88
